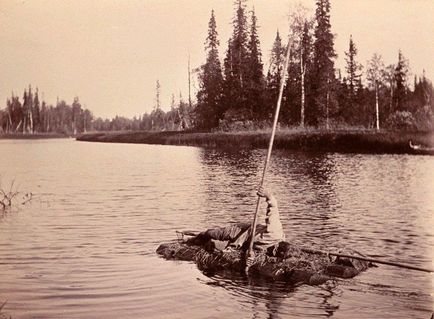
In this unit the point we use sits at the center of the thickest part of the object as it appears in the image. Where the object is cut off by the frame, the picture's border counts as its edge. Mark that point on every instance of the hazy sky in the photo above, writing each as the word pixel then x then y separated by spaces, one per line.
pixel 111 52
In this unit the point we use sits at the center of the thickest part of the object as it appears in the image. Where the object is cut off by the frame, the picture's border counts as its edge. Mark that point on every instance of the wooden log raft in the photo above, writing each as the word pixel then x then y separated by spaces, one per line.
pixel 289 263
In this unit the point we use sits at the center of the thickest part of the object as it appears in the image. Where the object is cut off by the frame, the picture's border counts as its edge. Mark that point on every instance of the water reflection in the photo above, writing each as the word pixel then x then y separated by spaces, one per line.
pixel 231 178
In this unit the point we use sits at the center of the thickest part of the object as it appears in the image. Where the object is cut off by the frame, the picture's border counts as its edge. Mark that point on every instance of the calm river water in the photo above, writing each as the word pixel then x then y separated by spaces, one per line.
pixel 85 246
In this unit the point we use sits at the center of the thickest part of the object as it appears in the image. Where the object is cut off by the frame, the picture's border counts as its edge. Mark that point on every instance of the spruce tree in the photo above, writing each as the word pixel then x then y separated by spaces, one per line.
pixel 353 68
pixel 255 77
pixel 274 74
pixel 37 111
pixel 305 65
pixel 235 64
pixel 323 78
pixel 401 73
pixel 209 109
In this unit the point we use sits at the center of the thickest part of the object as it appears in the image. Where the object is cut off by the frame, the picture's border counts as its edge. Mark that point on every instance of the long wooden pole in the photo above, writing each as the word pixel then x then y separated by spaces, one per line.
pixel 374 260
pixel 270 147
pixel 320 252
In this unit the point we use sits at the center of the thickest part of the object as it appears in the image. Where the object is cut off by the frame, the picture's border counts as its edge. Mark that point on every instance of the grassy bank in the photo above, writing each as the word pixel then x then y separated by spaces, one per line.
pixel 334 141
pixel 35 136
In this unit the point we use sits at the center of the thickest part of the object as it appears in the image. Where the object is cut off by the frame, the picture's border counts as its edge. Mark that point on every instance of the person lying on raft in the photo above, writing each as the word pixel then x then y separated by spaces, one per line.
pixel 238 235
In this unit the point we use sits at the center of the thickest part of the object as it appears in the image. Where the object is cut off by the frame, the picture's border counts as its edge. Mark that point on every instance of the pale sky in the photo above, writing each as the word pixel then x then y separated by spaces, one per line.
pixel 111 52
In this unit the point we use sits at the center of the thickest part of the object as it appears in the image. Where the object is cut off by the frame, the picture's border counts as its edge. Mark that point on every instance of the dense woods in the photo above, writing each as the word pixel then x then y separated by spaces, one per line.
pixel 237 93
pixel 316 94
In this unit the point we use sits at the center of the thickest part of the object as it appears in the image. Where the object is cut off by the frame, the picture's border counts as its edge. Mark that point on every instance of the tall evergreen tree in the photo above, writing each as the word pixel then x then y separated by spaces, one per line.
pixel 353 68
pixel 36 112
pixel 157 95
pixel 401 74
pixel 235 64
pixel 323 78
pixel 255 77
pixel 351 109
pixel 274 74
pixel 76 112
pixel 305 65
pixel 391 83
pixel 209 109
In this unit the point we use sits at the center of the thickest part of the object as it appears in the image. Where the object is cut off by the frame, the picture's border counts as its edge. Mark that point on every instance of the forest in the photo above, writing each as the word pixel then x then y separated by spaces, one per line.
pixel 239 94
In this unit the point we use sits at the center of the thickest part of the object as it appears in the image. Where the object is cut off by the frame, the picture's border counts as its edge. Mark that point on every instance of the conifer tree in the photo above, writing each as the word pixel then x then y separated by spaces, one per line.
pixel 157 95
pixel 351 109
pixel 235 64
pixel 353 68
pixel 76 112
pixel 276 63
pixel 323 78
pixel 401 74
pixel 305 65
pixel 37 112
pixel 209 108
pixel 255 76
pixel 391 83
pixel 274 73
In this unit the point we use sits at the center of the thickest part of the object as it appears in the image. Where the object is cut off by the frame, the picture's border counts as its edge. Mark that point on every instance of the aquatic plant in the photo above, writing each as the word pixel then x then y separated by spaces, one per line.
pixel 10 196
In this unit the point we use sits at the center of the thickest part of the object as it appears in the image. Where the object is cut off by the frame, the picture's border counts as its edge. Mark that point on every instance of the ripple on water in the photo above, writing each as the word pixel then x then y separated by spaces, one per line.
pixel 85 247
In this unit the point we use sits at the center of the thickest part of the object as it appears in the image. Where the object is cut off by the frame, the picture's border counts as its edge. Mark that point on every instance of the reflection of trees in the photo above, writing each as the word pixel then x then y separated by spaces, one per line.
pixel 304 184
pixel 313 174
pixel 307 192
pixel 230 178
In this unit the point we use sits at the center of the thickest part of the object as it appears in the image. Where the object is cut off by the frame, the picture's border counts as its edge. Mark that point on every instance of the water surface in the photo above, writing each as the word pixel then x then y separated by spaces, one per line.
pixel 85 246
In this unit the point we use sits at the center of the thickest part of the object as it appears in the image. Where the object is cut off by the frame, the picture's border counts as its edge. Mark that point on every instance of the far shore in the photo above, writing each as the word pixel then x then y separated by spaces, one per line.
pixel 344 141
pixel 34 136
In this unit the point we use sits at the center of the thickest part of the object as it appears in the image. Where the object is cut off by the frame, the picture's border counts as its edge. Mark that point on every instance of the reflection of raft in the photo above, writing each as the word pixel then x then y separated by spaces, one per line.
pixel 296 267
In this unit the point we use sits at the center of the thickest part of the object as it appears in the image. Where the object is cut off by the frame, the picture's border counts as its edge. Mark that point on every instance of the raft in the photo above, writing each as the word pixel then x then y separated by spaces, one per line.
pixel 291 263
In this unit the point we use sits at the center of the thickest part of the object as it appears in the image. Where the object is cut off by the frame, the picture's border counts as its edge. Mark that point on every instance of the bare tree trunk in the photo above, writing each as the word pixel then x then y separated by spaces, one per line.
pixel 327 105
pixel 25 124
pixel 9 122
pixel 189 82
pixel 18 126
pixel 30 122
pixel 377 115
pixel 84 122
pixel 391 98
pixel 302 72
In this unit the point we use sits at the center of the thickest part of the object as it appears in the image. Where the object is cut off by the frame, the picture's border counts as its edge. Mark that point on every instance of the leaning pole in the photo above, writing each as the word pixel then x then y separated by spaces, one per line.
pixel 270 147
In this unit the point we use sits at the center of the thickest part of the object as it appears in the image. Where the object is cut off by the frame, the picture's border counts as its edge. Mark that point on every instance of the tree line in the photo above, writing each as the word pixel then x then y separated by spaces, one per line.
pixel 239 93
pixel 33 115
pixel 316 93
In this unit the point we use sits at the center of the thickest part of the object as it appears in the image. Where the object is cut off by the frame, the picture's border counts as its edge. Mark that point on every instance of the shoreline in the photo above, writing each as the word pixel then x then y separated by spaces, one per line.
pixel 35 136
pixel 348 141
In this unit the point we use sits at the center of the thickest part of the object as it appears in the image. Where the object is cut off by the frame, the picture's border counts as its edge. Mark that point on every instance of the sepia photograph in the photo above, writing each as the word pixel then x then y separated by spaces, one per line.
pixel 228 159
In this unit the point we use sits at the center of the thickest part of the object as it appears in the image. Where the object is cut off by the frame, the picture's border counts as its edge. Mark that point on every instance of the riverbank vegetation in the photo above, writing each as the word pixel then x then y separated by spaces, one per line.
pixel 238 93
pixel 287 139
